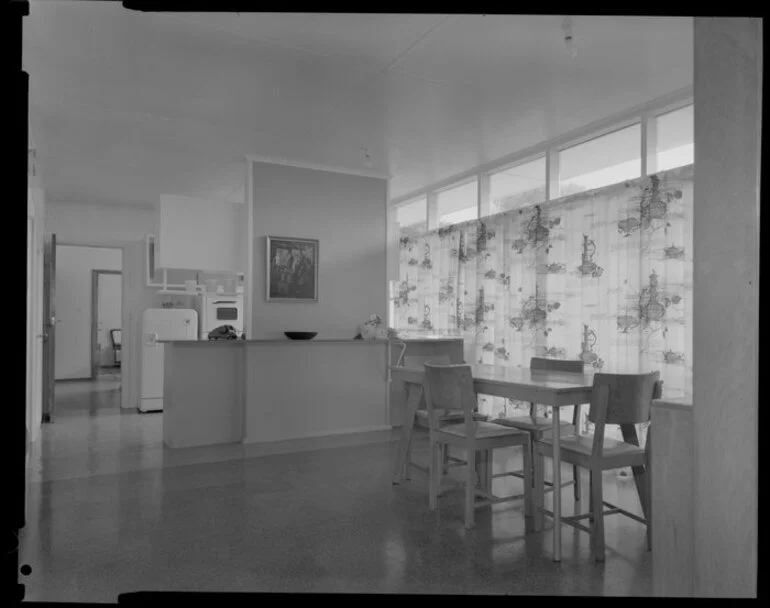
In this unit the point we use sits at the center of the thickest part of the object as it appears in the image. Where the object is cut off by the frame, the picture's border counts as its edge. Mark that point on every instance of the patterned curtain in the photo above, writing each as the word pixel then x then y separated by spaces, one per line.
pixel 604 276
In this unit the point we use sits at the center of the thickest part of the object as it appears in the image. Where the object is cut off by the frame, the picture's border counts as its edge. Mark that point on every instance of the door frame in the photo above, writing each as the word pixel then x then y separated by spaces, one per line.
pixel 49 327
pixel 95 315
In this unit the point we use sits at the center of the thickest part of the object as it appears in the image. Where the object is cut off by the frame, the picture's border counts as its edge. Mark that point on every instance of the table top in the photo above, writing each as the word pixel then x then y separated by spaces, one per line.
pixel 556 382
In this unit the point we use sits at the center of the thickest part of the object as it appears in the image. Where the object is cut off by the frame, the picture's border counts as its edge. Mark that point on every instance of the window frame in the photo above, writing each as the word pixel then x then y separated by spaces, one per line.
pixel 452 186
pixel 643 128
pixel 646 116
pixel 652 143
pixel 530 159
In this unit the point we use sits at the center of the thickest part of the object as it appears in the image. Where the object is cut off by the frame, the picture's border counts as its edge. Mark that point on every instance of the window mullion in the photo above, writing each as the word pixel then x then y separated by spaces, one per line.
pixel 649 145
pixel 432 211
pixel 552 174
pixel 483 191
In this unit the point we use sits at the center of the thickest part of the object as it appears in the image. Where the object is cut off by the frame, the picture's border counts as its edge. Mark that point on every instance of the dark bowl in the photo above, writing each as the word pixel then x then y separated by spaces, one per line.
pixel 300 335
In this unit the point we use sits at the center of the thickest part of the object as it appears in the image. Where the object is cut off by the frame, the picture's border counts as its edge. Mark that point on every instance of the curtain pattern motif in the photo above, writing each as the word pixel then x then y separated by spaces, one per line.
pixel 604 276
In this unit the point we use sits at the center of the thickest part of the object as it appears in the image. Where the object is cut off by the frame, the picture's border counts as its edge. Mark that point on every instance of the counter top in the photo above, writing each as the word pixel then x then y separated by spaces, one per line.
pixel 396 342
pixel 270 341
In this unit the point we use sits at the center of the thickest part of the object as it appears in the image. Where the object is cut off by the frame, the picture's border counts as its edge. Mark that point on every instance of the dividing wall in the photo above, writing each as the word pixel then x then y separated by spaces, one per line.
pixel 347 214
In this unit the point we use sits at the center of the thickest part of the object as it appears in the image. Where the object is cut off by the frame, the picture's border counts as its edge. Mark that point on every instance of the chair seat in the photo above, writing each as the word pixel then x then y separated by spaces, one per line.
pixel 530 423
pixel 583 444
pixel 484 430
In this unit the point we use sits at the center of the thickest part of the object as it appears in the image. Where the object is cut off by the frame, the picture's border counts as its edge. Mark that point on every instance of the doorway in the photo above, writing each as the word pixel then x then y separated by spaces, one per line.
pixel 88 330
pixel 106 324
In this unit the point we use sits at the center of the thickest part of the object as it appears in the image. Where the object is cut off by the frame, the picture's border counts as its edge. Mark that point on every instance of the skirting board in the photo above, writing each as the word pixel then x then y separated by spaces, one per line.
pixel 366 429
pixel 317 441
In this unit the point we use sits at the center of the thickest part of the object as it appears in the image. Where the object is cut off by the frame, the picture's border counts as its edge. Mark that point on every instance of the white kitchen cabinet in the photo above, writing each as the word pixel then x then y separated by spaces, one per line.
pixel 206 235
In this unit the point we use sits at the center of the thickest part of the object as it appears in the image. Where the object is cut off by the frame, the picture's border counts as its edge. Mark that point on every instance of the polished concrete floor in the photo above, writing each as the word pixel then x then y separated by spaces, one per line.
pixel 110 510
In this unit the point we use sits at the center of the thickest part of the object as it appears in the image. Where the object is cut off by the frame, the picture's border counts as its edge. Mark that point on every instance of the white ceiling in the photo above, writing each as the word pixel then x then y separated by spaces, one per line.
pixel 126 106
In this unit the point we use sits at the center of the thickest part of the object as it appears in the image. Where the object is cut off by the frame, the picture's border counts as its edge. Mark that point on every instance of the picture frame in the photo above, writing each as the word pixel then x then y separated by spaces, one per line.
pixel 291 269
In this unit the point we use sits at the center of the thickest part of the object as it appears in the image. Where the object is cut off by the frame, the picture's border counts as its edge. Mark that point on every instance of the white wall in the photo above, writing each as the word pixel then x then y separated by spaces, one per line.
pixel 73 301
pixel 137 297
pixel 201 234
pixel 728 127
pixel 347 214
pixel 105 225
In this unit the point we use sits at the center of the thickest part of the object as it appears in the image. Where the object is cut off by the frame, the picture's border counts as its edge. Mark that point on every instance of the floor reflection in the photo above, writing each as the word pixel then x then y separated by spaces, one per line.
pixel 111 510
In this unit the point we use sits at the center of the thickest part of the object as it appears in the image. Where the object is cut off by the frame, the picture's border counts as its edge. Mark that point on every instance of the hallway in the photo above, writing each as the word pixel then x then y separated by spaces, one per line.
pixel 111 511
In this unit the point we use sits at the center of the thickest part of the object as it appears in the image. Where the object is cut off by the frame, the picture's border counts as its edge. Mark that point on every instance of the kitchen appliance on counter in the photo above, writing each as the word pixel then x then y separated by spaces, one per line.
pixel 161 324
pixel 217 309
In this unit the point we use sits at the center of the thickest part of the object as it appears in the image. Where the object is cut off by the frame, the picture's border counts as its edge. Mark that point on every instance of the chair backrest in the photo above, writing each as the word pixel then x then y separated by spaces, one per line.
pixel 575 366
pixel 450 387
pixel 628 397
pixel 420 360
pixel 116 335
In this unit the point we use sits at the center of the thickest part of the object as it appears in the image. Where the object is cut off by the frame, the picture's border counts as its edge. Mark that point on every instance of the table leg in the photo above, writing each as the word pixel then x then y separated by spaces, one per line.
pixel 412 403
pixel 556 486
pixel 484 469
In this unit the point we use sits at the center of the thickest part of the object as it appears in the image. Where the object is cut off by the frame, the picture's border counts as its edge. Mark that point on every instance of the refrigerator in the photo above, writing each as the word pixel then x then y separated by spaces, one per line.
pixel 161 324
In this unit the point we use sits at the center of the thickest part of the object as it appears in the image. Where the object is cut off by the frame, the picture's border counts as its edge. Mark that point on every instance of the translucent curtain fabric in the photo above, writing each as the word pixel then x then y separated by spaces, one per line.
pixel 604 276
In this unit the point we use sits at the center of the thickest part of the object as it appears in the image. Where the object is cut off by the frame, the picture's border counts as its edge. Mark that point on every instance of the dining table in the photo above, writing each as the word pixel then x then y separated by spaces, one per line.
pixel 548 388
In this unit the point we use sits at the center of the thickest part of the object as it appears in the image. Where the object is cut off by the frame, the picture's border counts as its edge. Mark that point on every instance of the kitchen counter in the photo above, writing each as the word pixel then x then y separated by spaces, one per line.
pixel 268 390
pixel 281 390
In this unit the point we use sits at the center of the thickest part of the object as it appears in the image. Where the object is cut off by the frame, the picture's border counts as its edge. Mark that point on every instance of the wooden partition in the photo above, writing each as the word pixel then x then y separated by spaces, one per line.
pixel 672 474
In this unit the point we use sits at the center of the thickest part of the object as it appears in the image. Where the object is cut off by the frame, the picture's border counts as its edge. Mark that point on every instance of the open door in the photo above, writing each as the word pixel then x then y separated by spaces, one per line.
pixel 49 325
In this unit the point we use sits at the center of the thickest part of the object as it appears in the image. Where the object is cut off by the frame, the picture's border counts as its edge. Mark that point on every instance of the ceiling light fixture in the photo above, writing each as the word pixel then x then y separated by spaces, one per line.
pixel 569 41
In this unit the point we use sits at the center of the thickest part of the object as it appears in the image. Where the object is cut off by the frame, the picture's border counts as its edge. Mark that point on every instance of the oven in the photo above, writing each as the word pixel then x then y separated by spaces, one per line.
pixel 216 310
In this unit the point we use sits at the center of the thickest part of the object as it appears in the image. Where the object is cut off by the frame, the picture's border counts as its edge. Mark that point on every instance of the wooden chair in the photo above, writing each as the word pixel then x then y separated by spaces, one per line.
pixel 116 336
pixel 450 387
pixel 443 417
pixel 539 427
pixel 622 399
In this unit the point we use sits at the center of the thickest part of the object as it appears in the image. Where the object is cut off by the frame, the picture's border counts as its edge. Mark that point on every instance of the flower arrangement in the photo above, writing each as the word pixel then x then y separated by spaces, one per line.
pixel 375 329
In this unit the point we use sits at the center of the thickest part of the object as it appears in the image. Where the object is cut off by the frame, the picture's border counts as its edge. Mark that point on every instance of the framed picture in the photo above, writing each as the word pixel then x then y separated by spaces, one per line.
pixel 292 269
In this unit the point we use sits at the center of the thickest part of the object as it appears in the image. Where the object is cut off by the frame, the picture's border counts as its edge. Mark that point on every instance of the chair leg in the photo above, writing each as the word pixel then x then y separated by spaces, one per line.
pixel 576 477
pixel 648 511
pixel 531 450
pixel 528 482
pixel 488 471
pixel 470 492
pixel 445 458
pixel 591 496
pixel 408 460
pixel 539 487
pixel 434 474
pixel 649 535
pixel 597 507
